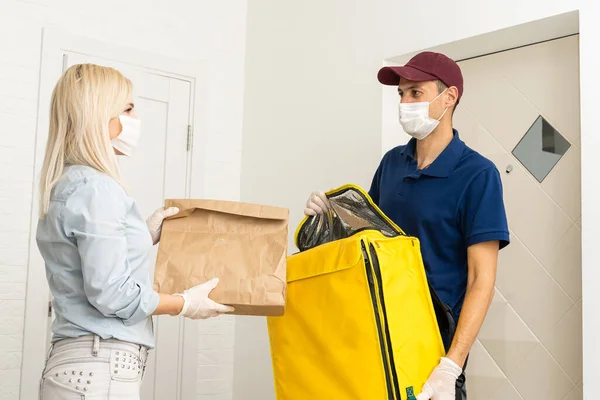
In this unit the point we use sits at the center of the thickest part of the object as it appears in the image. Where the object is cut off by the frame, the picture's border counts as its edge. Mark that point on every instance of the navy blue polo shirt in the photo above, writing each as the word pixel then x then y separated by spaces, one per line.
pixel 454 203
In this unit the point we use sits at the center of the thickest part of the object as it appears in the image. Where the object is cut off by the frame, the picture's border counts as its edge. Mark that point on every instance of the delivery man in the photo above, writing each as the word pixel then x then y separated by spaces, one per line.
pixel 447 195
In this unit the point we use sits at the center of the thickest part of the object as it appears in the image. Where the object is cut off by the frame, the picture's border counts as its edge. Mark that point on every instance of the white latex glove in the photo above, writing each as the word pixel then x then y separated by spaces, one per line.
pixel 441 384
pixel 197 305
pixel 317 204
pixel 155 221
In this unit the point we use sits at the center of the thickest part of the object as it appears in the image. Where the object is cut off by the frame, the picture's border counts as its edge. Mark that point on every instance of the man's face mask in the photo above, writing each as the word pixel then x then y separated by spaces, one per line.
pixel 415 120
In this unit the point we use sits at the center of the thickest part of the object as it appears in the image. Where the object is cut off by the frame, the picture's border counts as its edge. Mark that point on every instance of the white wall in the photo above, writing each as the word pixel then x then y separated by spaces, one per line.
pixel 189 29
pixel 311 120
pixel 590 194
pixel 431 24
pixel 312 117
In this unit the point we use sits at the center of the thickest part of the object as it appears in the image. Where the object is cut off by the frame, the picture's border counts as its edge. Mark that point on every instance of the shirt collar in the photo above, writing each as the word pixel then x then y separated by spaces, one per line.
pixel 445 163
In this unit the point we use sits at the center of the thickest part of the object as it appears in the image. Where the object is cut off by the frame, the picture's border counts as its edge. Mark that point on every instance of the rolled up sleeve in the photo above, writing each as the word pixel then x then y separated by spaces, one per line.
pixel 95 216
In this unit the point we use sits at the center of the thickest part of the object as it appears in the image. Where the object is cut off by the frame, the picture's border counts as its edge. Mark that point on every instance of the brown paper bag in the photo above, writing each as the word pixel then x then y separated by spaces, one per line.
pixel 244 245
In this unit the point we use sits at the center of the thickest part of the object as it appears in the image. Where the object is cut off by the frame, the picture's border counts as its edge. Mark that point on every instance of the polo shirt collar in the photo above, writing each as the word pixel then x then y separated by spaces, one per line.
pixel 445 163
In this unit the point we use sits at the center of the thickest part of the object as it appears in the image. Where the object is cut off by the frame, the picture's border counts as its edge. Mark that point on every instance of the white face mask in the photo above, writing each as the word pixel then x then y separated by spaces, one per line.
pixel 415 120
pixel 129 136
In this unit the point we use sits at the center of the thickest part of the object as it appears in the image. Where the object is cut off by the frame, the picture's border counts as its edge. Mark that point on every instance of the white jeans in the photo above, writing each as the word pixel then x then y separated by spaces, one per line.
pixel 89 368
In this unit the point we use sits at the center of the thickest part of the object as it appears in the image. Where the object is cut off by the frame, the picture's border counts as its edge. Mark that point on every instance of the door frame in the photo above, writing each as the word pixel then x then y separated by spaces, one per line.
pixel 55 43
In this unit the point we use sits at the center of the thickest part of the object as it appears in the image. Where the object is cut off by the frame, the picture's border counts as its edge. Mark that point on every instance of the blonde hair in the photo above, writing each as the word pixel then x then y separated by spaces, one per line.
pixel 84 100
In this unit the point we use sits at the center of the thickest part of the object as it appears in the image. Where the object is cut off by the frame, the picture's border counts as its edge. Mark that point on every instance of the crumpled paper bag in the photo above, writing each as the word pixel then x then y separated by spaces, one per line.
pixel 244 245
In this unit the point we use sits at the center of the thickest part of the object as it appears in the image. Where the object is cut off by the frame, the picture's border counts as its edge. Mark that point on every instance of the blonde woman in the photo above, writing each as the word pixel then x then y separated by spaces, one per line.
pixel 95 245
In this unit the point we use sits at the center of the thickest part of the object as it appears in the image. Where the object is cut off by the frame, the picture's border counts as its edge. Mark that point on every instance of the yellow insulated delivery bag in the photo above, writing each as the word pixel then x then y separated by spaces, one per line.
pixel 360 322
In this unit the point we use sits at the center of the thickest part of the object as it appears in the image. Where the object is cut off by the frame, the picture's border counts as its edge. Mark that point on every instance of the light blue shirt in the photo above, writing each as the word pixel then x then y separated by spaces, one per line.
pixel 95 244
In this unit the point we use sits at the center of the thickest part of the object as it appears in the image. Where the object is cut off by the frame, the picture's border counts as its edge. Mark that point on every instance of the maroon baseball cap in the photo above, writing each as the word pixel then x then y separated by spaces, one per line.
pixel 426 66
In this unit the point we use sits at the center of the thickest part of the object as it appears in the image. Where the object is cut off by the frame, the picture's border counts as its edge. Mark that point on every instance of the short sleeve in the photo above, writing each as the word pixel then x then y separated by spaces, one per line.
pixel 95 215
pixel 375 190
pixel 482 214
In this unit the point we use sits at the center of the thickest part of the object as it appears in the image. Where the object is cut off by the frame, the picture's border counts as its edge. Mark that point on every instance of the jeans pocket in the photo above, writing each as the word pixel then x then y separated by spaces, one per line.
pixel 51 389
pixel 125 366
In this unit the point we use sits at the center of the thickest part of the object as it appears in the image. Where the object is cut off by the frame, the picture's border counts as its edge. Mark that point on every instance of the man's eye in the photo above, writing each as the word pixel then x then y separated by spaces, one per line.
pixel 416 93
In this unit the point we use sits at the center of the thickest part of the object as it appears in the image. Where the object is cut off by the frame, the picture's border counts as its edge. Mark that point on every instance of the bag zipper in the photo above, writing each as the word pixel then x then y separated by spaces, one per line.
pixel 377 269
pixel 372 290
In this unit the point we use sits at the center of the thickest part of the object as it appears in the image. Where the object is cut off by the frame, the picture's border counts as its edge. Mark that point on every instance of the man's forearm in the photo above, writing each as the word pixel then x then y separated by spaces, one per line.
pixel 477 301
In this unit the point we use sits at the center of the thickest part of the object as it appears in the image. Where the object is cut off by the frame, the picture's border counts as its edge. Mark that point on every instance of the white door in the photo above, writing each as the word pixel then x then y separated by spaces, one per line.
pixel 158 170
pixel 521 110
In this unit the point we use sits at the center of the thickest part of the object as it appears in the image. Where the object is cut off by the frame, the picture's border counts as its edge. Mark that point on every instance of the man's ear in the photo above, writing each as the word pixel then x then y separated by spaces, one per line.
pixel 451 96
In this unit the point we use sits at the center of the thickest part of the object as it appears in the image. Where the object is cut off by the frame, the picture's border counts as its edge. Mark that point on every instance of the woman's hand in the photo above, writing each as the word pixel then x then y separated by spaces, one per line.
pixel 197 305
pixel 155 221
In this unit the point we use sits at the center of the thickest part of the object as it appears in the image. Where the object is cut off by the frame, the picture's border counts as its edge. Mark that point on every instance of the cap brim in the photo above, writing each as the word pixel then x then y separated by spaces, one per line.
pixel 391 75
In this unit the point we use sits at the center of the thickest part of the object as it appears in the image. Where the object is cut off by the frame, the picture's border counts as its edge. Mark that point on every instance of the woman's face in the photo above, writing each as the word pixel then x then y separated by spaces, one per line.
pixel 114 125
